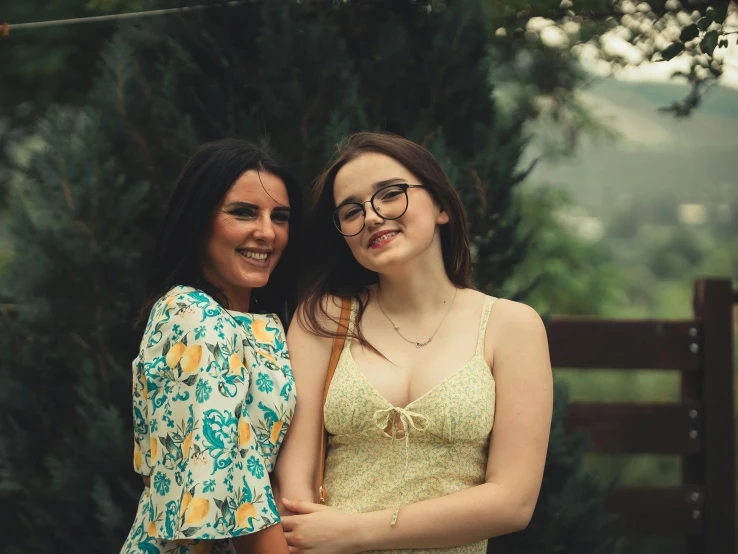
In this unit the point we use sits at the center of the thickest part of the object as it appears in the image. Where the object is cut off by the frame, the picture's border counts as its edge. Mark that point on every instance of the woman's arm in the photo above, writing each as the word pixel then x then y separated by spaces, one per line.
pixel 296 472
pixel 269 541
pixel 505 503
pixel 203 445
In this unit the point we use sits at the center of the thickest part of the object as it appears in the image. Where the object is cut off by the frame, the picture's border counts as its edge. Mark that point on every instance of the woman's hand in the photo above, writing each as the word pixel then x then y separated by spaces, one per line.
pixel 319 529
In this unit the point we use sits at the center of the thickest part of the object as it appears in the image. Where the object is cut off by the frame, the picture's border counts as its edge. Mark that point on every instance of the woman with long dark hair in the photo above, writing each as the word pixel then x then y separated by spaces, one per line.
pixel 213 393
pixel 439 409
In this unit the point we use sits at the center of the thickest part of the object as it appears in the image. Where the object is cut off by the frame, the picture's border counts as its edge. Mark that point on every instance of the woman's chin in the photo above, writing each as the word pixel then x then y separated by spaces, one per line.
pixel 385 262
pixel 255 283
pixel 250 281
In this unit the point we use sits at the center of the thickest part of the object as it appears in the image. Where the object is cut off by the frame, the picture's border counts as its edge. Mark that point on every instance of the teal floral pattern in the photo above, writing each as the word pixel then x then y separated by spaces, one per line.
pixel 213 396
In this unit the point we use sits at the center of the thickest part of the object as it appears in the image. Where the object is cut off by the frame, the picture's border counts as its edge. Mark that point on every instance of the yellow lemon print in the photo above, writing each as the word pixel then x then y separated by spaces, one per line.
pixel 259 330
pixel 137 458
pixel 197 511
pixel 236 365
pixel 186 499
pixel 186 445
pixel 244 433
pixel 245 512
pixel 154 449
pixel 191 358
pixel 144 385
pixel 175 354
pixel 268 356
pixel 151 529
pixel 276 429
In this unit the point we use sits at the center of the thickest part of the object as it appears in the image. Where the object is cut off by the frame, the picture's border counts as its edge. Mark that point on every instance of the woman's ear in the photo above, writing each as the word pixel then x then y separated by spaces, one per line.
pixel 442 218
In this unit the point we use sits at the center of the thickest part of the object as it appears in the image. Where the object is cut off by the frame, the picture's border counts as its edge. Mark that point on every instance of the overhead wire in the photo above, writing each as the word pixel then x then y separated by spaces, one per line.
pixel 6 28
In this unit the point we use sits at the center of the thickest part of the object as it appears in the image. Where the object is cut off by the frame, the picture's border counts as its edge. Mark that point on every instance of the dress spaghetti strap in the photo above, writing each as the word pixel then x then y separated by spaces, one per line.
pixel 488 301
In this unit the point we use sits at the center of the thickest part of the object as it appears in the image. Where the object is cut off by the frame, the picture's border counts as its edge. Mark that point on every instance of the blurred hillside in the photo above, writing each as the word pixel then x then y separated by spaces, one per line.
pixel 654 201
pixel 655 155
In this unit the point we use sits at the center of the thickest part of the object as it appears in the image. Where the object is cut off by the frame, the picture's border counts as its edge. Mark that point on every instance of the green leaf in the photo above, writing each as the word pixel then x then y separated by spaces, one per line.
pixel 221 505
pixel 690 32
pixel 191 531
pixel 168 443
pixel 709 42
pixel 672 51
pixel 718 14
pixel 704 23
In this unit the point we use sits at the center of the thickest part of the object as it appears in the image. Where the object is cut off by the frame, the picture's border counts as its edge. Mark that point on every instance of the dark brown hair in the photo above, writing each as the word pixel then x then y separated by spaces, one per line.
pixel 333 270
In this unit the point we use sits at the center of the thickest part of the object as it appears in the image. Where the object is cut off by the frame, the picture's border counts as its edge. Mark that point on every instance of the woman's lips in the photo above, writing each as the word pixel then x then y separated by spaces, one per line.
pixel 380 240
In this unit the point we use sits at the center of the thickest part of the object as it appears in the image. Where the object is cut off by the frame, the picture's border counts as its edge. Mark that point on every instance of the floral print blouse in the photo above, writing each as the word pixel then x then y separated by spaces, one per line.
pixel 213 396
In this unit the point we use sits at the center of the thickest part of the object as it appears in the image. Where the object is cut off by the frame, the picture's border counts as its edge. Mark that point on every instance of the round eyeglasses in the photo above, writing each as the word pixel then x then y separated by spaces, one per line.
pixel 388 203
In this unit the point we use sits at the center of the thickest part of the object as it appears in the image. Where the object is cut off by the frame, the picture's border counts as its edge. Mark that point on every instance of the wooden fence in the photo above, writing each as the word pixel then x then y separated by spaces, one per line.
pixel 699 428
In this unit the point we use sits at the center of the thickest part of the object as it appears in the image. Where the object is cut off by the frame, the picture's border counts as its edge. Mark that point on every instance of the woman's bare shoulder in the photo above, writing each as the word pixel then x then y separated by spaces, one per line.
pixel 309 347
pixel 516 314
pixel 325 313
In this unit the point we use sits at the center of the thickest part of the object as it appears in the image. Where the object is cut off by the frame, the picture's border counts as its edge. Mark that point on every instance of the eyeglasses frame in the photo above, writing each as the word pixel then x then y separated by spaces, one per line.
pixel 403 186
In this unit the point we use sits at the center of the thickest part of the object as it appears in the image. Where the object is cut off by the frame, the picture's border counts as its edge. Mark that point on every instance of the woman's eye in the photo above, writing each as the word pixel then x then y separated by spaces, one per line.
pixel 243 212
pixel 352 213
pixel 391 194
pixel 280 217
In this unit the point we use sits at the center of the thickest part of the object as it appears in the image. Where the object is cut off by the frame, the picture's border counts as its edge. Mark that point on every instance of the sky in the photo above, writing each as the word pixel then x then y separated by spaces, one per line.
pixel 662 71
pixel 639 68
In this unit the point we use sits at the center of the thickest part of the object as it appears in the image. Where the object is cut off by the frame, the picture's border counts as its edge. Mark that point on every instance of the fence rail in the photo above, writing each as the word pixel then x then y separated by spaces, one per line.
pixel 699 427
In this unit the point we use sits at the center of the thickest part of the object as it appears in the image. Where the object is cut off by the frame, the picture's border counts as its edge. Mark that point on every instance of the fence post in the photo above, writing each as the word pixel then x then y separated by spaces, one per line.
pixel 715 466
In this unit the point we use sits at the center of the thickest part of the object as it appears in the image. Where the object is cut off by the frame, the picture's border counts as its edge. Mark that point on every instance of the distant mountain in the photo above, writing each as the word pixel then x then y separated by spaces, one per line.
pixel 691 159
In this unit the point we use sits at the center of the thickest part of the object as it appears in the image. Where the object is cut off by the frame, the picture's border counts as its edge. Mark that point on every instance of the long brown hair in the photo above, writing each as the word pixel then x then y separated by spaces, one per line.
pixel 332 268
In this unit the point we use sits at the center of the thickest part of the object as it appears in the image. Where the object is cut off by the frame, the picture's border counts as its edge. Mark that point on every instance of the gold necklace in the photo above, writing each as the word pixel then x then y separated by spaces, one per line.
pixel 397 328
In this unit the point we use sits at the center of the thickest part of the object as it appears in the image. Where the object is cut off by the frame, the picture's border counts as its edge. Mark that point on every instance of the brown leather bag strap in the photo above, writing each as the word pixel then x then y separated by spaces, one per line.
pixel 338 342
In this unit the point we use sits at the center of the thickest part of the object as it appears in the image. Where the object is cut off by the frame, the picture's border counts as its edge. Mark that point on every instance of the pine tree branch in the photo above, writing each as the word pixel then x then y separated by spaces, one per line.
pixel 140 139
pixel 481 194
pixel 100 334
pixel 65 181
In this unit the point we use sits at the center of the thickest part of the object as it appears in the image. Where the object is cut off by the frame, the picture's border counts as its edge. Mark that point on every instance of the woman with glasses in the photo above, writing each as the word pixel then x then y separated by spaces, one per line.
pixel 439 410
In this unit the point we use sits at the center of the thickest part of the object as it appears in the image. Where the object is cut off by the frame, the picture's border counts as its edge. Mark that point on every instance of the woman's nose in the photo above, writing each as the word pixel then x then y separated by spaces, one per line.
pixel 265 230
pixel 371 217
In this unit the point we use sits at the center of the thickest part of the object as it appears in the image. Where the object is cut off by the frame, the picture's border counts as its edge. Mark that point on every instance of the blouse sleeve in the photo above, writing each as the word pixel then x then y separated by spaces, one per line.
pixel 141 445
pixel 208 477
pixel 272 396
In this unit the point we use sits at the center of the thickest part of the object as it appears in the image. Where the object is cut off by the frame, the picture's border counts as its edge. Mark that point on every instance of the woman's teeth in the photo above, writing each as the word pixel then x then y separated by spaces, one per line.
pixel 382 238
pixel 261 256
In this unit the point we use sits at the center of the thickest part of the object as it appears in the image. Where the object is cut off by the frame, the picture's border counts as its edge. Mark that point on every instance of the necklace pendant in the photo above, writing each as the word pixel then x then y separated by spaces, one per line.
pixel 422 344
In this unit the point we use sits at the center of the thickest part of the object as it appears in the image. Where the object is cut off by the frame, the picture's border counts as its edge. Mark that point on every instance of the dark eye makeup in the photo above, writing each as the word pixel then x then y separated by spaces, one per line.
pixel 249 211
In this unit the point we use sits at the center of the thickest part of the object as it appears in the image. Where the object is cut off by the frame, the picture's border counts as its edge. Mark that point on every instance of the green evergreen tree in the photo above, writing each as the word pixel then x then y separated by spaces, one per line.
pixel 35 66
pixel 298 76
